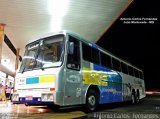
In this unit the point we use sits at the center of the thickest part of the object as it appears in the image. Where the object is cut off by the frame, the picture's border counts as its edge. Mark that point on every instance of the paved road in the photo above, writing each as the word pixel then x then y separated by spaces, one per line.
pixel 148 108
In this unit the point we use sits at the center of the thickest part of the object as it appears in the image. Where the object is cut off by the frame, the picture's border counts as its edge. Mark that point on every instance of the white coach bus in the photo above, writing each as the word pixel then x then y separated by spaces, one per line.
pixel 64 69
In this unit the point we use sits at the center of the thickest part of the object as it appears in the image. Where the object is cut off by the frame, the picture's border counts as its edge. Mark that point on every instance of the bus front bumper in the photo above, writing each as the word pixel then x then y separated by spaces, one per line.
pixel 34 100
pixel 42 99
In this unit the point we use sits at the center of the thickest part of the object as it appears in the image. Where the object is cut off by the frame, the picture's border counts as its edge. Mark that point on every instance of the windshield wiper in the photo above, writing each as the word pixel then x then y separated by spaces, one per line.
pixel 24 66
pixel 42 67
pixel 23 70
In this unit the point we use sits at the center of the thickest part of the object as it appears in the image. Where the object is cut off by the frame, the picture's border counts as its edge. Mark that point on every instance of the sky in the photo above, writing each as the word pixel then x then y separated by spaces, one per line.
pixel 135 37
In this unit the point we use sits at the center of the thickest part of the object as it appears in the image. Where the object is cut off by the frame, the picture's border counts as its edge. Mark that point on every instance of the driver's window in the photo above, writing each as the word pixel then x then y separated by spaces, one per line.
pixel 73 59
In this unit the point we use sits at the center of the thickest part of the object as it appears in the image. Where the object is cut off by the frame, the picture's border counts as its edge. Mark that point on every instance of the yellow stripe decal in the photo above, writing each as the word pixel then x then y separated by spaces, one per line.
pixel 94 77
pixel 47 79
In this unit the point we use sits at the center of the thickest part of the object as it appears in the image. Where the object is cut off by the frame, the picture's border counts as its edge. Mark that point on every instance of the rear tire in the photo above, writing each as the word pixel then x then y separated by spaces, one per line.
pixel 92 100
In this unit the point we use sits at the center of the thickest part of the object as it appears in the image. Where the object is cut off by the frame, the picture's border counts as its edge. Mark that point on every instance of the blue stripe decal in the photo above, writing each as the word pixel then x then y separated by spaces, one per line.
pixel 33 80
pixel 100 68
pixel 112 92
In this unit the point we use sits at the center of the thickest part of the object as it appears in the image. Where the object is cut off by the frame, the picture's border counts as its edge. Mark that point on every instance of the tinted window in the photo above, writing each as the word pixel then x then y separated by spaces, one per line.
pixel 140 75
pixel 116 64
pixel 86 52
pixel 105 60
pixel 124 68
pixel 130 69
pixel 95 56
pixel 136 73
pixel 73 59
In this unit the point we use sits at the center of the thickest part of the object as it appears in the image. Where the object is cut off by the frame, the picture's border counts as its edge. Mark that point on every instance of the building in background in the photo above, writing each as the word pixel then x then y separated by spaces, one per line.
pixel 9 81
pixel 2 78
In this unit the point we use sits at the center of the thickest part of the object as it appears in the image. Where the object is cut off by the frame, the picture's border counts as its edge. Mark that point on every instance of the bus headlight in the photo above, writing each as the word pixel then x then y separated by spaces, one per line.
pixel 47 97
pixel 15 97
pixel 39 99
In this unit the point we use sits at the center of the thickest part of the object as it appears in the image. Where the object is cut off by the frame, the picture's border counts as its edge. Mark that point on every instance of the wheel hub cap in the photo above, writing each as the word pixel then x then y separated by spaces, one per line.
pixel 92 100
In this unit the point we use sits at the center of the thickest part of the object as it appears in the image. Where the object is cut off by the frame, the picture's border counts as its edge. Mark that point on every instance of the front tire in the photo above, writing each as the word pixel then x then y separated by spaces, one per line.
pixel 54 107
pixel 92 100
pixel 26 104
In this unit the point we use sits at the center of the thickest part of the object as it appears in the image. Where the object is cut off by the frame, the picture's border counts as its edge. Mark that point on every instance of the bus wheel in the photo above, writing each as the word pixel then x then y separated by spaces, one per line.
pixel 26 104
pixel 91 100
pixel 54 107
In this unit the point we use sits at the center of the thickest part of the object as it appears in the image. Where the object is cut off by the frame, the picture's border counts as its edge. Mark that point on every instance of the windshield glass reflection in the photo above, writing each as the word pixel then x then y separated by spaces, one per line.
pixel 45 53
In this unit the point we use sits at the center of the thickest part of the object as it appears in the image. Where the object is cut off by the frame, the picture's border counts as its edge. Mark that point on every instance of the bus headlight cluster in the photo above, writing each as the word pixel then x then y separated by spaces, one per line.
pixel 47 97
pixel 15 97
pixel 39 99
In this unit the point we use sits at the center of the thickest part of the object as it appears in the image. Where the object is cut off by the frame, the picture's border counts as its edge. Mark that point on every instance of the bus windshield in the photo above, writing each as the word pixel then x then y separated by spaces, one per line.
pixel 44 53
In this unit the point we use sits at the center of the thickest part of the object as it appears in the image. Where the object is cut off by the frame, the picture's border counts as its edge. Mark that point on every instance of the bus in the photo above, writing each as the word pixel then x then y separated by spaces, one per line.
pixel 64 69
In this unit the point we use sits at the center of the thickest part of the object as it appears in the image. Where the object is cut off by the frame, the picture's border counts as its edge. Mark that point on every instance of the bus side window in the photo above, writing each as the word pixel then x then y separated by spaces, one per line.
pixel 136 73
pixel 95 56
pixel 140 74
pixel 105 60
pixel 124 68
pixel 130 69
pixel 73 57
pixel 116 64
pixel 86 50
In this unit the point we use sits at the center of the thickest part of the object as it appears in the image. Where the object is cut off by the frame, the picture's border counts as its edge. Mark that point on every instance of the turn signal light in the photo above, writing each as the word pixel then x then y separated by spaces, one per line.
pixel 52 89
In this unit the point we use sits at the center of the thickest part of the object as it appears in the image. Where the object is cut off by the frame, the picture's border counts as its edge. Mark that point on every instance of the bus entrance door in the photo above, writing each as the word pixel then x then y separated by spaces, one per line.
pixel 73 73
pixel 72 87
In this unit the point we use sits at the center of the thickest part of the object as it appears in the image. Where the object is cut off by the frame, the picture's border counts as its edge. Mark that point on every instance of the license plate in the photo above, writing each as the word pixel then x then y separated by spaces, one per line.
pixel 29 98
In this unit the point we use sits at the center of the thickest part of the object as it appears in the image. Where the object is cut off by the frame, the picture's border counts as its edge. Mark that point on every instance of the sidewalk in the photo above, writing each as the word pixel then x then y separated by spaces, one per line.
pixel 4 103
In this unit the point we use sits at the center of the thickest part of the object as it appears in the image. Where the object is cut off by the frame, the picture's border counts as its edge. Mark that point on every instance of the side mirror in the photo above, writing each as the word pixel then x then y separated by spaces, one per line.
pixel 71 48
